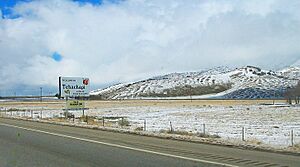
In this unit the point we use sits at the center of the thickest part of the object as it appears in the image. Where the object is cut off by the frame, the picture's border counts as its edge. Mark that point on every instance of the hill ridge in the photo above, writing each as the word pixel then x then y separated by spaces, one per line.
pixel 248 82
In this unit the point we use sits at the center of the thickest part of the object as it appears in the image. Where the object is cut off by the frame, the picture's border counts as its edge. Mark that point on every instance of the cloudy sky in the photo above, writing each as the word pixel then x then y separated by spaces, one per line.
pixel 121 41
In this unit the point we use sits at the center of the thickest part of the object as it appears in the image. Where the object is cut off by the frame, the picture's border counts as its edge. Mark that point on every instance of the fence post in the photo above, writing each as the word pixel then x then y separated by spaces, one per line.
pixel 243 133
pixel 103 121
pixel 31 113
pixel 171 127
pixel 203 129
pixel 41 114
pixel 144 124
pixel 122 122
pixel 292 137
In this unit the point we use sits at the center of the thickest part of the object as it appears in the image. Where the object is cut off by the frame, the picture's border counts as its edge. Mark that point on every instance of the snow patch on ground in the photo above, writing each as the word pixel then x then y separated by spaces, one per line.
pixel 264 124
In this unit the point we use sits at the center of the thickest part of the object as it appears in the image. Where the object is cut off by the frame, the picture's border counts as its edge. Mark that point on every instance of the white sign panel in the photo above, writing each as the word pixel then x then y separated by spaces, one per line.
pixel 74 87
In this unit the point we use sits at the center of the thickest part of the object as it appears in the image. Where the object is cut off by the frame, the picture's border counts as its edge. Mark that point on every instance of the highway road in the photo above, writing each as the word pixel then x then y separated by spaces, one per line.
pixel 25 143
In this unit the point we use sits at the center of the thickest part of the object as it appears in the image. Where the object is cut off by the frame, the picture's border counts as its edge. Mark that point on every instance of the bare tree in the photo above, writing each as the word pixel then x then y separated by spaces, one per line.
pixel 293 94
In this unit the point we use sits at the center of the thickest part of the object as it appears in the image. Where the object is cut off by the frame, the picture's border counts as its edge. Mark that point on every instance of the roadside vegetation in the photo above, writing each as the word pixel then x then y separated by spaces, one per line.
pixel 186 133
pixel 123 122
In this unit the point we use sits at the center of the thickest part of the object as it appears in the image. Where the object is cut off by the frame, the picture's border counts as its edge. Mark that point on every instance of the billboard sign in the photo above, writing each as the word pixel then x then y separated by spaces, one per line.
pixel 74 87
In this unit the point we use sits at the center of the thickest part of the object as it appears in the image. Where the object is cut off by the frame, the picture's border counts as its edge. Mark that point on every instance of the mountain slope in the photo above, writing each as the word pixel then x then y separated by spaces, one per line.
pixel 246 82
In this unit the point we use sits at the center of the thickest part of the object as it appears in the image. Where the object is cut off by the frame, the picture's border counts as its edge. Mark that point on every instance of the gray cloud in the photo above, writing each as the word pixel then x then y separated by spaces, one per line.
pixel 137 38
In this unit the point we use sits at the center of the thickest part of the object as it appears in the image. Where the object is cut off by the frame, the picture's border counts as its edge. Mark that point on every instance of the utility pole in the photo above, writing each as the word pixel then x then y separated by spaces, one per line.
pixel 41 93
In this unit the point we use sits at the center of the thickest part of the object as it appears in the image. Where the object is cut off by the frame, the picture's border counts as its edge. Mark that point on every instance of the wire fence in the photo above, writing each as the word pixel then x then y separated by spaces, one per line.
pixel 282 135
pixel 27 92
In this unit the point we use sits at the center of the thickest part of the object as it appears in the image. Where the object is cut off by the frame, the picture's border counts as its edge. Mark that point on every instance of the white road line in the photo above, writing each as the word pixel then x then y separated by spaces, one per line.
pixel 119 146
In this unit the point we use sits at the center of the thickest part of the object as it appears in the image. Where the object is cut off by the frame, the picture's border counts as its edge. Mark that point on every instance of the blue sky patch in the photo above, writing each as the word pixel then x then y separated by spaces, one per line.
pixel 6 8
pixel 94 2
pixel 57 57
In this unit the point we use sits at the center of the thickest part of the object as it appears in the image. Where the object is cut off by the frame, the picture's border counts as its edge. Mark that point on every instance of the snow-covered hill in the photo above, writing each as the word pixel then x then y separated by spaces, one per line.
pixel 291 72
pixel 221 82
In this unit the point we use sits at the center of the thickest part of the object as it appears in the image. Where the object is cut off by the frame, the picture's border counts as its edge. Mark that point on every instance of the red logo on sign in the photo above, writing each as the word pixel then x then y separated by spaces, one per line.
pixel 85 81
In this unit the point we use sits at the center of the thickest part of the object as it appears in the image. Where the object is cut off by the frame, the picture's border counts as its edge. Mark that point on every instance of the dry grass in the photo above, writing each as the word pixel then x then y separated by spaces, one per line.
pixel 173 103
pixel 253 141
pixel 94 104
pixel 295 148
pixel 58 119
pixel 186 133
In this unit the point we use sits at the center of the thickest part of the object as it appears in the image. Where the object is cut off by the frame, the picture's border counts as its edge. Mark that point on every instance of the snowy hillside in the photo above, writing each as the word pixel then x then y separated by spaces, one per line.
pixel 246 82
pixel 291 72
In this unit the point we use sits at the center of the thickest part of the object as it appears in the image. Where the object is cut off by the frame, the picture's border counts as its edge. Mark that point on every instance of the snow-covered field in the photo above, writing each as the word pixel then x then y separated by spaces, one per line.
pixel 269 125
